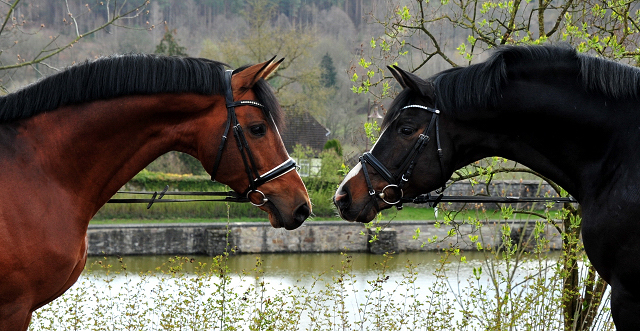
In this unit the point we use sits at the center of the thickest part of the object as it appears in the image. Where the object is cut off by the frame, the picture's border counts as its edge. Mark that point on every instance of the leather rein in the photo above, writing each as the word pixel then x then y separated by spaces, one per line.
pixel 392 194
pixel 255 179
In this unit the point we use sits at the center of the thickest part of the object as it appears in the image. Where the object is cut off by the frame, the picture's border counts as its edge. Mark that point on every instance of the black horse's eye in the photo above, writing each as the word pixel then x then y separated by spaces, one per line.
pixel 258 130
pixel 407 131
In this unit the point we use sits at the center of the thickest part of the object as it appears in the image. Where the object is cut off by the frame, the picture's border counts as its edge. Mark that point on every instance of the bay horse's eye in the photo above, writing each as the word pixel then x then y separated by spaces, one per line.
pixel 258 130
pixel 407 131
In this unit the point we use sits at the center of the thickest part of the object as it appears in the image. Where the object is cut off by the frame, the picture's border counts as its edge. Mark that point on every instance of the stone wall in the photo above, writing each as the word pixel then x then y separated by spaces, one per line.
pixel 312 237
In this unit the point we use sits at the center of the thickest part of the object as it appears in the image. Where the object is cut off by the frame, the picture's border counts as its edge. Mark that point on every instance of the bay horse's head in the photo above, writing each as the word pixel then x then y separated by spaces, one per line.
pixel 243 148
pixel 407 159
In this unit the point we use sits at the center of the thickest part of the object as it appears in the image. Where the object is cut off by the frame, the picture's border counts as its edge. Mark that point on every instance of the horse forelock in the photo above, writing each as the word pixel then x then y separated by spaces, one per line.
pixel 479 86
pixel 114 76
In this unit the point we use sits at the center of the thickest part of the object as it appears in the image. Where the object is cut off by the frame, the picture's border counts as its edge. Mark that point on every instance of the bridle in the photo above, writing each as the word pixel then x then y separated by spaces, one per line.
pixel 255 179
pixel 392 194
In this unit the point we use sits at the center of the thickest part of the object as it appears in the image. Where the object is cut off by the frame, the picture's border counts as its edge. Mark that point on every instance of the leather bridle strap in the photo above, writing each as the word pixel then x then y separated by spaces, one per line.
pixel 255 180
pixel 406 169
pixel 276 172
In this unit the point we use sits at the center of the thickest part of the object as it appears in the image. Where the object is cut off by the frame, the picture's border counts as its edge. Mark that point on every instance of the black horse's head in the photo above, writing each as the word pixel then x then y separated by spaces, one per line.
pixel 408 158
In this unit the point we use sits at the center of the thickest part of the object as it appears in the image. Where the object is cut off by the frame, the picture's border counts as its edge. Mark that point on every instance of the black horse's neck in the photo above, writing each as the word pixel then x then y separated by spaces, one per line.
pixel 545 119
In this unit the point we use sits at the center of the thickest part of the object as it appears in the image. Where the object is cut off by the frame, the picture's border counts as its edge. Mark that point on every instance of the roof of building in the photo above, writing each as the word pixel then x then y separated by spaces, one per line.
pixel 303 129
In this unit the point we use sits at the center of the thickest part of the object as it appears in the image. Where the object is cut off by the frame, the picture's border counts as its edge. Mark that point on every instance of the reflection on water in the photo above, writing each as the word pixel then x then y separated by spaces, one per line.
pixel 294 265
pixel 407 288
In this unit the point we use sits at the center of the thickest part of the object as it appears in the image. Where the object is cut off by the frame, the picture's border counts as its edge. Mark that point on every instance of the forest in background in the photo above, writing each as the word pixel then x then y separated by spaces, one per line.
pixel 332 48
pixel 422 36
pixel 318 39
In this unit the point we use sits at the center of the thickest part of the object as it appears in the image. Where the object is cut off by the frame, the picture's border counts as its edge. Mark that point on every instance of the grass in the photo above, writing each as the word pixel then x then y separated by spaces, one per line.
pixel 406 214
pixel 212 296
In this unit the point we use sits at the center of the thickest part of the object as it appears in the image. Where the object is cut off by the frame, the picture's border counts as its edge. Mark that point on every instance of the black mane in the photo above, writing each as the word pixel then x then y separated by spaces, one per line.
pixel 121 75
pixel 479 85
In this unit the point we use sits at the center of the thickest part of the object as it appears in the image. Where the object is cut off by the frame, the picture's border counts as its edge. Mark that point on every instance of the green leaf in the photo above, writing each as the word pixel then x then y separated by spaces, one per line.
pixel 404 13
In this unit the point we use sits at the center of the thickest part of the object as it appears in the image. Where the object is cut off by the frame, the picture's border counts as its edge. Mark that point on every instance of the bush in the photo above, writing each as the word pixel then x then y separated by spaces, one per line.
pixel 320 192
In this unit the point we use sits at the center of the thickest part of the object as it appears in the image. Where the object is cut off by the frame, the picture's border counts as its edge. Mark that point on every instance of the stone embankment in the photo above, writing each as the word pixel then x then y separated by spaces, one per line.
pixel 312 237
pixel 319 236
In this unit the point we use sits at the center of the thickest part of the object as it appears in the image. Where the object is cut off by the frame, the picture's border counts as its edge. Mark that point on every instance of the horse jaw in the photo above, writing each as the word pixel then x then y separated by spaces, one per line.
pixel 363 211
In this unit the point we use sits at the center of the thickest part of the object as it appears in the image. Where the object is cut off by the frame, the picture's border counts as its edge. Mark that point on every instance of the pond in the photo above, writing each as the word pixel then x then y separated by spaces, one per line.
pixel 327 291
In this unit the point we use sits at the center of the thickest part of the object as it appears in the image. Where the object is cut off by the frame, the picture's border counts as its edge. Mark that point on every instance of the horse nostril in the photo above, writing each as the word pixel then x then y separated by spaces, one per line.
pixel 342 200
pixel 302 213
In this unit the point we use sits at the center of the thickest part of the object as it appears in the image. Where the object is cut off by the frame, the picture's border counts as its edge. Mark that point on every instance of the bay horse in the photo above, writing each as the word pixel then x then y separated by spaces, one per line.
pixel 571 117
pixel 71 140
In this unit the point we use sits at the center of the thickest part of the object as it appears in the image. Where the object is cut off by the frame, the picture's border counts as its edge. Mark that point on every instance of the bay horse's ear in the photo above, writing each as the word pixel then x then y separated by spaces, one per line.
pixel 271 68
pixel 416 83
pixel 246 78
pixel 397 76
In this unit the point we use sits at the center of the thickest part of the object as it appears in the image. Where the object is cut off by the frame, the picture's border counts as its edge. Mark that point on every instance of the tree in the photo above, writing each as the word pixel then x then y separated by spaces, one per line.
pixel 297 81
pixel 333 144
pixel 430 36
pixel 328 74
pixel 20 36
pixel 169 44
pixel 175 162
pixel 457 32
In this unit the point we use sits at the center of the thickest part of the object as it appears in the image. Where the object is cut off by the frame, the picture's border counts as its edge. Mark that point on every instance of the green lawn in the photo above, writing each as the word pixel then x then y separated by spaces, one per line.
pixel 406 214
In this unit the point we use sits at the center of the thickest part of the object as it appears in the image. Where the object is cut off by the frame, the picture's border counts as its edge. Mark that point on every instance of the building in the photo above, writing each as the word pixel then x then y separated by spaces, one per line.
pixel 303 129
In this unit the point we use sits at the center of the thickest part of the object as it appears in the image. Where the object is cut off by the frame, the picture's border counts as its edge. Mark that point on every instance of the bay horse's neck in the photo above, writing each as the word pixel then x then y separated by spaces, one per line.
pixel 556 128
pixel 91 150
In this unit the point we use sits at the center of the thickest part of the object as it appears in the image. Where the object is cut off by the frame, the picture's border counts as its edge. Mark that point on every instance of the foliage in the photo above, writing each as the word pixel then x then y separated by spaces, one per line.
pixel 335 145
pixel 156 181
pixel 169 44
pixel 24 46
pixel 328 74
pixel 297 81
pixel 428 36
pixel 424 35
pixel 517 291
pixel 372 130
pixel 321 190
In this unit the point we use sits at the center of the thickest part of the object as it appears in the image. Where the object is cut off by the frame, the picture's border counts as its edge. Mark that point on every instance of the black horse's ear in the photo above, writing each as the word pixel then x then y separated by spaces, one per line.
pixel 416 83
pixel 397 76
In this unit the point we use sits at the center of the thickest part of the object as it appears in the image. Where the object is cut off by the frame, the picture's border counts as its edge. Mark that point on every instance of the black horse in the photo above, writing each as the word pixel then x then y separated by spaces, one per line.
pixel 573 118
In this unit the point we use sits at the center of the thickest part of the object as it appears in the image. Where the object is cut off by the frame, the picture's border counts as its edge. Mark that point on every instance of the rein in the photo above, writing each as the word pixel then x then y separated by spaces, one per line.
pixel 392 194
pixel 229 196
pixel 255 179
pixel 432 200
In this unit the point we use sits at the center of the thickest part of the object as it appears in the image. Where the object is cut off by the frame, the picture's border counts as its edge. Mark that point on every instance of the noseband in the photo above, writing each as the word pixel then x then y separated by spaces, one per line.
pixel 255 179
pixel 392 194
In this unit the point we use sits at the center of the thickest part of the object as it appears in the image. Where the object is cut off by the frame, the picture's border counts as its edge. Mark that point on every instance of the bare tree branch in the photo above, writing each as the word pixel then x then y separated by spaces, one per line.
pixel 46 53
